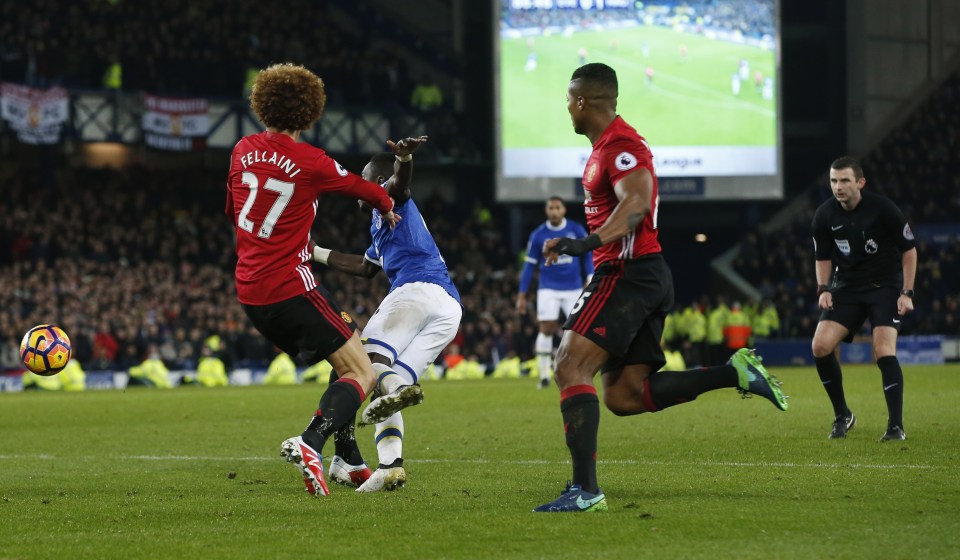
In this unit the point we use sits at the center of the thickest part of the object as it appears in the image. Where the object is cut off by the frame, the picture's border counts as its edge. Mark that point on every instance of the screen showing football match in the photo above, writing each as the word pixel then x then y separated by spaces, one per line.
pixel 697 79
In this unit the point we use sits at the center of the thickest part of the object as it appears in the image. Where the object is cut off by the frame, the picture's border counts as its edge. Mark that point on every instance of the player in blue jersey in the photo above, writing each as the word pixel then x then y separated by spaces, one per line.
pixel 559 285
pixel 418 318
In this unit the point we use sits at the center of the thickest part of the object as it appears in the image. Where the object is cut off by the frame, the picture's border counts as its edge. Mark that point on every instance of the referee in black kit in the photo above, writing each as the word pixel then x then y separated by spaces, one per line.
pixel 863 240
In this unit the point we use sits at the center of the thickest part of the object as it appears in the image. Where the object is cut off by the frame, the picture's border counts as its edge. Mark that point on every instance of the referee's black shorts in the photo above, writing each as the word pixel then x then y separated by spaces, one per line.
pixel 854 305
pixel 623 308
pixel 311 325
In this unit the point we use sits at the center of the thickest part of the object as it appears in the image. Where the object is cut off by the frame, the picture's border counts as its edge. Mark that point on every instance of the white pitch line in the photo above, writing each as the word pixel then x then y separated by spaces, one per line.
pixel 733 464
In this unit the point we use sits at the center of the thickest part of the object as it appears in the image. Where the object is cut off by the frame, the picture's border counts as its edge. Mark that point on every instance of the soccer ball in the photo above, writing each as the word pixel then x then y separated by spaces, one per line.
pixel 45 350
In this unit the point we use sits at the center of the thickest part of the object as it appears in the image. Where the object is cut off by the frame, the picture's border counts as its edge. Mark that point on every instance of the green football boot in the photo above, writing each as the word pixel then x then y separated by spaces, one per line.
pixel 754 379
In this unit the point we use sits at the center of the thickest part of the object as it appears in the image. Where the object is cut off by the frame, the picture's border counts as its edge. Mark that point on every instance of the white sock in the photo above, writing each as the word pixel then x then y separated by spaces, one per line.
pixel 543 346
pixel 390 439
pixel 543 364
pixel 387 379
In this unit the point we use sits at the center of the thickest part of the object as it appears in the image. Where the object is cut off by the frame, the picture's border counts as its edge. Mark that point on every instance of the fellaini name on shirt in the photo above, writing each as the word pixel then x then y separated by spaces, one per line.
pixel 280 160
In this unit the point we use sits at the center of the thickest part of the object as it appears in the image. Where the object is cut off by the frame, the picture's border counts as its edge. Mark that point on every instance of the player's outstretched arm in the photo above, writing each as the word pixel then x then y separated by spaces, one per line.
pixel 354 265
pixel 398 185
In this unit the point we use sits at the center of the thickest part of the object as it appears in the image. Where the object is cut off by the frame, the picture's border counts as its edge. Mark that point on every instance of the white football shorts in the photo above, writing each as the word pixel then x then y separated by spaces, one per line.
pixel 551 302
pixel 412 325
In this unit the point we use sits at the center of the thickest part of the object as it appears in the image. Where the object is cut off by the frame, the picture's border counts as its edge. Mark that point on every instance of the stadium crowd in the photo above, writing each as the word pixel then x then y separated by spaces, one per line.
pixel 191 48
pixel 134 267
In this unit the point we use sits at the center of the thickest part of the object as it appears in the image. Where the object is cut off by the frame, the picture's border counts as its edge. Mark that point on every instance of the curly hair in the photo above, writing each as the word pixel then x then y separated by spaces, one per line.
pixel 288 97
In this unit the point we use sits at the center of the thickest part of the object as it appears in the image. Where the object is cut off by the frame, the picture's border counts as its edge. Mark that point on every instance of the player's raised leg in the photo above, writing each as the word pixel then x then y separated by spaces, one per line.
pixel 396 393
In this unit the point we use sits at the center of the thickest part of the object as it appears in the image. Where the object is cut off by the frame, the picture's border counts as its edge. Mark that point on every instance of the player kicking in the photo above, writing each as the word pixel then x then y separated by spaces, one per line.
pixel 272 191
pixel 417 319
pixel 559 284
pixel 616 325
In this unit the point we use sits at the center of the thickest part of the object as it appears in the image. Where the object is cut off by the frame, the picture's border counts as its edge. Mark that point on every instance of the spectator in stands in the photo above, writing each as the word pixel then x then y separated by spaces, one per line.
pixel 426 96
pixel 10 353
pixel 736 328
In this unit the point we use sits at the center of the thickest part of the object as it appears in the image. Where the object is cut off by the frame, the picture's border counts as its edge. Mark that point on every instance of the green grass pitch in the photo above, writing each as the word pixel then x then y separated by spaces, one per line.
pixel 195 473
pixel 689 102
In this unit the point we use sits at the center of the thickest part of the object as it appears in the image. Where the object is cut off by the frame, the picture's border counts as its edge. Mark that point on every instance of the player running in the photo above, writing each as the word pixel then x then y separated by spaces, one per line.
pixel 615 326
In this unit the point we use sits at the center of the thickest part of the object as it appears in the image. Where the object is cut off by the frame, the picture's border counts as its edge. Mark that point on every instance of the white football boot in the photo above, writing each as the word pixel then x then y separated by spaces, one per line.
pixel 384 479
pixel 385 406
pixel 344 473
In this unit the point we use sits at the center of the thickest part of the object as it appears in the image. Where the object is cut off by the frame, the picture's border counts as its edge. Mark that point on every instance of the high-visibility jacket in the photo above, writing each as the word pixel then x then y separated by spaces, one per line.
pixel 151 373
pixel 212 373
pixel 282 371
pixel 318 372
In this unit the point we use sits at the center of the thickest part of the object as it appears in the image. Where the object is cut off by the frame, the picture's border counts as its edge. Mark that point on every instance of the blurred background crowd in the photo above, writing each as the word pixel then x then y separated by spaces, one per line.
pixel 142 263
pixel 184 47
pixel 138 262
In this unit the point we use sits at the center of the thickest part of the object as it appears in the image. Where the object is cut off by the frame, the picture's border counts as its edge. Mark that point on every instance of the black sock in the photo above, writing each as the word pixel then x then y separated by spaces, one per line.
pixel 345 443
pixel 580 408
pixel 338 407
pixel 829 370
pixel 344 438
pixel 668 388
pixel 892 377
pixel 398 462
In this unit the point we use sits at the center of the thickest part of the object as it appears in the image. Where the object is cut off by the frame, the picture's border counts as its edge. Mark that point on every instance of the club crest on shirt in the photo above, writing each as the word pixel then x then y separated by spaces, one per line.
pixel 907 232
pixel 871 247
pixel 346 317
pixel 626 161
pixel 844 246
pixel 591 173
pixel 340 168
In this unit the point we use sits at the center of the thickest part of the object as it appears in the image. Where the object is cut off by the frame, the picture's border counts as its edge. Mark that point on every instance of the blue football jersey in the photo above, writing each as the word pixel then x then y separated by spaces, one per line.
pixel 568 272
pixel 408 253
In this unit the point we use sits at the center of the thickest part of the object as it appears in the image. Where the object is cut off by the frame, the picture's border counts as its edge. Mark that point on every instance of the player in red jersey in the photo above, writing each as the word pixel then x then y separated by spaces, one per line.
pixel 272 191
pixel 615 326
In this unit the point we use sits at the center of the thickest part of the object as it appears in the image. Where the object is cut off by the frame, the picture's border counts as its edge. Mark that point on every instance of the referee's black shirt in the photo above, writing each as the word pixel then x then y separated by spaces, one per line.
pixel 865 244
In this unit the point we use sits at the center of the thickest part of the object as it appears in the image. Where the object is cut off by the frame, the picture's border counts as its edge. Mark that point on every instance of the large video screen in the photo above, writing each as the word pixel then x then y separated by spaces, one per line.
pixel 698 79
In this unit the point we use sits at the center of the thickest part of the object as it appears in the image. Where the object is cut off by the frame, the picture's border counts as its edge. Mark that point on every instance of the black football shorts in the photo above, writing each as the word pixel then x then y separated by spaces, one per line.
pixel 853 306
pixel 623 308
pixel 311 325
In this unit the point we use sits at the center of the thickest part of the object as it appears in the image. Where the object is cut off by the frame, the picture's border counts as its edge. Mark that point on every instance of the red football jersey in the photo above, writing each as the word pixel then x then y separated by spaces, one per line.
pixel 618 152
pixel 272 192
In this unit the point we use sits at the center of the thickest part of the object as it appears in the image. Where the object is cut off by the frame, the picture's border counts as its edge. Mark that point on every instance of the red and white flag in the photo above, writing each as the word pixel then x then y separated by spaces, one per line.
pixel 36 114
pixel 178 124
